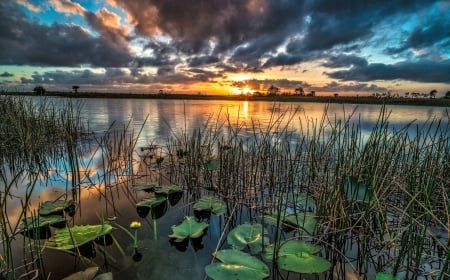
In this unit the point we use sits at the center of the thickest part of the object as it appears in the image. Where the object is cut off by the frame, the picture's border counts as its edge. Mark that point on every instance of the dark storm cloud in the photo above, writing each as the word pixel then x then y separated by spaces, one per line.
pixel 436 31
pixel 29 43
pixel 345 61
pixel 423 71
pixel 202 60
pixel 6 75
pixel 283 59
pixel 227 24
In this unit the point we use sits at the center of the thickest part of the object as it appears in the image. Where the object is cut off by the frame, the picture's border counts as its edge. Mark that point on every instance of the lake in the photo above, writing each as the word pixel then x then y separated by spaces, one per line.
pixel 166 117
pixel 152 122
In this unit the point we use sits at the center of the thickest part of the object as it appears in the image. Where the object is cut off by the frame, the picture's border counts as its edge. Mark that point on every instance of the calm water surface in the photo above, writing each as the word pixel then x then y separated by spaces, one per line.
pixel 159 120
pixel 166 117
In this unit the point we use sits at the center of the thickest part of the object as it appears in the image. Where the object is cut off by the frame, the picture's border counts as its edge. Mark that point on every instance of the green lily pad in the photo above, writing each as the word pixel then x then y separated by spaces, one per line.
pixel 236 265
pixel 248 234
pixel 189 228
pixel 297 256
pixel 209 203
pixel 147 186
pixel 31 223
pixel 356 191
pixel 169 189
pixel 70 238
pixel 152 202
pixel 385 276
pixel 213 164
pixel 304 222
pixel 52 207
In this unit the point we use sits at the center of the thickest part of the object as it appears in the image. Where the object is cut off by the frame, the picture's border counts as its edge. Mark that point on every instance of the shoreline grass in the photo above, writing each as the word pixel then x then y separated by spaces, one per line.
pixel 440 102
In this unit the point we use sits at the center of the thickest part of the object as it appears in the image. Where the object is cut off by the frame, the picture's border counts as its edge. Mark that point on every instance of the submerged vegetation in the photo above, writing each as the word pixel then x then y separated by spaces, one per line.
pixel 290 197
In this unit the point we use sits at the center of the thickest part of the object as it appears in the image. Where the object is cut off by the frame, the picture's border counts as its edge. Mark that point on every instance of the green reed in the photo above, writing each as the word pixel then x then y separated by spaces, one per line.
pixel 406 173
pixel 33 136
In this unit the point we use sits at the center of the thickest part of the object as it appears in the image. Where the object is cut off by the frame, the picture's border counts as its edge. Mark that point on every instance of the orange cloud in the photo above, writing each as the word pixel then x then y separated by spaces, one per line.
pixel 29 6
pixel 67 7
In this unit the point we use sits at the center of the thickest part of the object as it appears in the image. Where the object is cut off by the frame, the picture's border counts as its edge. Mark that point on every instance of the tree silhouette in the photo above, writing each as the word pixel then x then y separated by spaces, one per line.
pixel 273 90
pixel 75 89
pixel 299 91
pixel 447 95
pixel 39 90
pixel 433 93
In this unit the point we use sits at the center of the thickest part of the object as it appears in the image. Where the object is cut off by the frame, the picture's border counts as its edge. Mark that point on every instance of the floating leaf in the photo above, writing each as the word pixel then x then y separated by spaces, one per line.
pixel 209 203
pixel 304 222
pixel 52 207
pixel 236 265
pixel 70 238
pixel 247 234
pixel 147 186
pixel 297 256
pixel 386 276
pixel 356 191
pixel 31 223
pixel 169 189
pixel 212 164
pixel 152 202
pixel 189 228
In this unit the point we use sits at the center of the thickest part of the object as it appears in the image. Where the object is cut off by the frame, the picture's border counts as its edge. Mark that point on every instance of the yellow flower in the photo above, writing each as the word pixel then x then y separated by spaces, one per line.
pixel 135 224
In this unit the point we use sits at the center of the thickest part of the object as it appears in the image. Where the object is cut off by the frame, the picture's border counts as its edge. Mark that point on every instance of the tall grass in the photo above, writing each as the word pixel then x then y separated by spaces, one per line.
pixel 406 170
pixel 402 229
pixel 33 136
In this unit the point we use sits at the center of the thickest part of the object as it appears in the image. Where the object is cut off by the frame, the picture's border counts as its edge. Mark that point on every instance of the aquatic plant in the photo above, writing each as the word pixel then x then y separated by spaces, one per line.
pixel 189 228
pixel 236 265
pixel 297 256
pixel 73 237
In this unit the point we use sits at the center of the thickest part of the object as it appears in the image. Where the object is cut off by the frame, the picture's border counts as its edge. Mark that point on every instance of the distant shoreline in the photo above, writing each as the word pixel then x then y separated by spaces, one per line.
pixel 440 102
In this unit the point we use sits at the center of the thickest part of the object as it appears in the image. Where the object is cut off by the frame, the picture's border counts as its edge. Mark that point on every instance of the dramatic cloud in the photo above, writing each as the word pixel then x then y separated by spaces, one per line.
pixel 28 43
pixel 345 61
pixel 173 43
pixel 422 71
pixel 67 6
pixel 436 31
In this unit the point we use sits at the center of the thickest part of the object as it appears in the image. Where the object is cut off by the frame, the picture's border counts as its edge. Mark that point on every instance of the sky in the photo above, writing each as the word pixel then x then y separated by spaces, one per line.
pixel 350 47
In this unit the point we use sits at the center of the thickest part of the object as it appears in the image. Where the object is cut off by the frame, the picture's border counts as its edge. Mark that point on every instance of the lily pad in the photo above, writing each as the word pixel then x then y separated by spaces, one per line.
pixel 152 202
pixel 236 265
pixel 355 190
pixel 189 228
pixel 248 234
pixel 304 222
pixel 70 238
pixel 52 207
pixel 297 256
pixel 209 203
pixel 385 276
pixel 169 189
pixel 147 186
pixel 31 223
